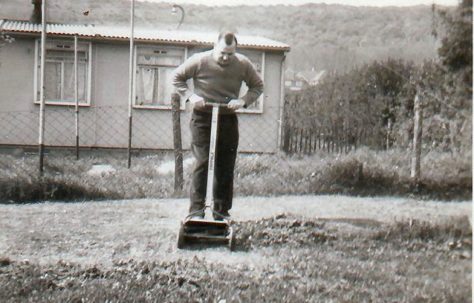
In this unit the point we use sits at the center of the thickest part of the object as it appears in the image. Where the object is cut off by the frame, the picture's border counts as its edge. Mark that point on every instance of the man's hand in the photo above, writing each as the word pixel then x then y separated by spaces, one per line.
pixel 236 104
pixel 196 101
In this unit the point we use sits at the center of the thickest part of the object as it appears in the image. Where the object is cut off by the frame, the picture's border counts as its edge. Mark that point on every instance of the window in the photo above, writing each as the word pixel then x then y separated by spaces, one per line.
pixel 258 60
pixel 154 68
pixel 59 72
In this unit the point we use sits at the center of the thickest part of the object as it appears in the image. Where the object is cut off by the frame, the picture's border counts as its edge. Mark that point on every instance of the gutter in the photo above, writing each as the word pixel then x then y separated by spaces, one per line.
pixel 92 32
pixel 282 101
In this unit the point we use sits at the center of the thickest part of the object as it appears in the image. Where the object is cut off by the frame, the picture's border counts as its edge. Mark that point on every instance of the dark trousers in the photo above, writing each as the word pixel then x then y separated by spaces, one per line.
pixel 226 152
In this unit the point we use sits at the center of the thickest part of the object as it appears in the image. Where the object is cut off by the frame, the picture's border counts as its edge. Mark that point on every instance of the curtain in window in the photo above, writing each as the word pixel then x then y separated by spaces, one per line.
pixel 52 81
pixel 59 76
pixel 147 82
pixel 69 81
pixel 165 86
pixel 154 85
pixel 154 74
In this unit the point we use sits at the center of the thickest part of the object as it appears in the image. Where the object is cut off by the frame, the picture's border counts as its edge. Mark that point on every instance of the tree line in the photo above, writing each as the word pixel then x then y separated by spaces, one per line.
pixel 378 97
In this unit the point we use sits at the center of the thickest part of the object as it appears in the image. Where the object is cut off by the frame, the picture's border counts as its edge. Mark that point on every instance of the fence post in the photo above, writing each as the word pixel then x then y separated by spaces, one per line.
pixel 42 97
pixel 177 144
pixel 76 96
pixel 389 133
pixel 417 136
pixel 131 79
pixel 319 138
pixel 301 150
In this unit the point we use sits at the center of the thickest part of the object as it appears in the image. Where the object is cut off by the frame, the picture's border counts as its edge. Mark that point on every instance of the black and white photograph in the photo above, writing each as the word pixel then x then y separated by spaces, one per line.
pixel 229 151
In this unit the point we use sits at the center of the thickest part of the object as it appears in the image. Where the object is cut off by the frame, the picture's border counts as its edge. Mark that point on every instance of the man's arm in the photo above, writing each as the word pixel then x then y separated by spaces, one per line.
pixel 254 83
pixel 185 71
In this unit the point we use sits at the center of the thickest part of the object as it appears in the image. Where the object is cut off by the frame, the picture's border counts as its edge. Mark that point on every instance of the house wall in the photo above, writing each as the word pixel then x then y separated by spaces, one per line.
pixel 105 122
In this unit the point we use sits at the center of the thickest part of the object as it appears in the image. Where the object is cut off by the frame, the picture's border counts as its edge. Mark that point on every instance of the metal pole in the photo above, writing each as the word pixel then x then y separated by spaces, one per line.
pixel 130 92
pixel 42 102
pixel 76 97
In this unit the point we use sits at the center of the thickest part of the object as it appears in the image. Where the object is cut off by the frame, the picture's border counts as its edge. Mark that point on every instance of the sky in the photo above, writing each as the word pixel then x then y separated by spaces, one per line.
pixel 377 3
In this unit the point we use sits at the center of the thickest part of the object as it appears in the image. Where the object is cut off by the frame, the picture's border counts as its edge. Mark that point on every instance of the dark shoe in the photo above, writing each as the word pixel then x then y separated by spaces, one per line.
pixel 220 216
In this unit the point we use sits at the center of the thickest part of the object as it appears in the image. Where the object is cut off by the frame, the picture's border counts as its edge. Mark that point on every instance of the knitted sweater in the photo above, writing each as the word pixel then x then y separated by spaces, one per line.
pixel 216 83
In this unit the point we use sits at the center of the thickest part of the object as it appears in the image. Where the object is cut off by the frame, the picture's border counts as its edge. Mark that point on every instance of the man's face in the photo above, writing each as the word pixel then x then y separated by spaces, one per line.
pixel 223 53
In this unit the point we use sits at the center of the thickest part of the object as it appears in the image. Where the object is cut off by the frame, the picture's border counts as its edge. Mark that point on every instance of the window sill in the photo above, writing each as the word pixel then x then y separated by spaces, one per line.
pixel 155 107
pixel 62 103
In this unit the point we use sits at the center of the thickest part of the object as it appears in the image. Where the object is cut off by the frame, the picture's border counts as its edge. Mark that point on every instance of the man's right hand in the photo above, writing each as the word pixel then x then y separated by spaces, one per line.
pixel 197 102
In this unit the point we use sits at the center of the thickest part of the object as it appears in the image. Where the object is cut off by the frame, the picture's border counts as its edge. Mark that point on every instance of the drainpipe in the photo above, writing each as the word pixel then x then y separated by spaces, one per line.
pixel 282 100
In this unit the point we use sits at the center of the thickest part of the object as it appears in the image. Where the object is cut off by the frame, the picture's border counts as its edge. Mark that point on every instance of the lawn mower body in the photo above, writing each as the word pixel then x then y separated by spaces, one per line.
pixel 199 232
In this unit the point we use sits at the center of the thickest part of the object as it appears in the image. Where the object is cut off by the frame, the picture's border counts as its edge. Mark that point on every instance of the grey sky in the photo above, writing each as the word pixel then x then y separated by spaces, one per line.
pixel 298 2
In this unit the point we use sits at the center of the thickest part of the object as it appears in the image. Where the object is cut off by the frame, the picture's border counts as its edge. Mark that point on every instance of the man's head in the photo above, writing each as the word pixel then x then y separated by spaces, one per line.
pixel 224 48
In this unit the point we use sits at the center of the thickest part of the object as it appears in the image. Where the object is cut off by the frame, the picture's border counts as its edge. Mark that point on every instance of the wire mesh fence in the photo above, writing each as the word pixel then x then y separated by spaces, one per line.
pixel 268 139
pixel 106 128
pixel 103 134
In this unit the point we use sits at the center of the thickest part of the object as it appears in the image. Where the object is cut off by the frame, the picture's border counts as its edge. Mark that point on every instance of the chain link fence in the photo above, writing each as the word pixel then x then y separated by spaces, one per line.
pixel 268 144
pixel 107 128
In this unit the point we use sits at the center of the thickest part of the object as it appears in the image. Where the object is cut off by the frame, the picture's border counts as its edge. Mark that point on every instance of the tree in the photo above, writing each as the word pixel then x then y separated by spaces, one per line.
pixel 456 49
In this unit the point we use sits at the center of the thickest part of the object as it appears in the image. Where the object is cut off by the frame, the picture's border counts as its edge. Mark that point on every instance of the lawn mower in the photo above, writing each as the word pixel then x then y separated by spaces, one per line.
pixel 195 231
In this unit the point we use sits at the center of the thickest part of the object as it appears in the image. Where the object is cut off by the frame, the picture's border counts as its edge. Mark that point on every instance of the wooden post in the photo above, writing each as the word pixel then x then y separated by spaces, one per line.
pixel 290 139
pixel 307 141
pixel 389 130
pixel 417 136
pixel 177 143
pixel 300 150
pixel 319 139
pixel 286 127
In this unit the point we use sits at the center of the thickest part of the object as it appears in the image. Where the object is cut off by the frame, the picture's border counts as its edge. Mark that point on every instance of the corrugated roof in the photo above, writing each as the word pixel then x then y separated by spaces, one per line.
pixel 144 34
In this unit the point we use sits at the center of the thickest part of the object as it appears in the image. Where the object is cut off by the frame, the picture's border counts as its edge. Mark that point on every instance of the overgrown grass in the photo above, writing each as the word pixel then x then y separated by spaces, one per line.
pixel 362 172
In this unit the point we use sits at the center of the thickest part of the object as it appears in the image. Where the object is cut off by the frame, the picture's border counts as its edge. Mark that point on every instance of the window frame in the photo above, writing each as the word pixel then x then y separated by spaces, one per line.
pixel 36 71
pixel 136 69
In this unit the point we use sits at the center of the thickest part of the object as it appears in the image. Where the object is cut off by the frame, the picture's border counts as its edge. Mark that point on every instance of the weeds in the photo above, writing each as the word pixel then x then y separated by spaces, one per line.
pixel 362 172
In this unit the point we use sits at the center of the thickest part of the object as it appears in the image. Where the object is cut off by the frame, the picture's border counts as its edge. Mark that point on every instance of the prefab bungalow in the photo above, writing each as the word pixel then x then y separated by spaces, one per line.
pixel 103 86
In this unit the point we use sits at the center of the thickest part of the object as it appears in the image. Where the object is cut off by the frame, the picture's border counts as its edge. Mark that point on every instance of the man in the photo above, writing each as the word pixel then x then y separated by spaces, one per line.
pixel 217 77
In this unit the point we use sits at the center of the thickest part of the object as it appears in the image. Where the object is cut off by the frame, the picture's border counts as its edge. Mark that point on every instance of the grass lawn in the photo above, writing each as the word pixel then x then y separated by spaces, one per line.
pixel 289 249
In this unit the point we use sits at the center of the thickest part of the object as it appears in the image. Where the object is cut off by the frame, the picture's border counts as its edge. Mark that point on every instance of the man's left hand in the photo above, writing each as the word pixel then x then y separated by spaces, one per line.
pixel 236 104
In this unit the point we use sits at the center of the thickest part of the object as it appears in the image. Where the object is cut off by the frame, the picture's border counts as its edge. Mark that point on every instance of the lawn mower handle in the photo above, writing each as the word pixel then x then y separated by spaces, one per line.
pixel 215 104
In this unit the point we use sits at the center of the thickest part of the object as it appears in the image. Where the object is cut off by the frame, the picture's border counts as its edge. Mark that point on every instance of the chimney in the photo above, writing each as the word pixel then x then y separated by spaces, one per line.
pixel 36 16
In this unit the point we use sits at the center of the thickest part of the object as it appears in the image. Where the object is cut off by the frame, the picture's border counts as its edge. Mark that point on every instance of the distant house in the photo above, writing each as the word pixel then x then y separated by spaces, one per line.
pixel 312 77
pixel 103 81
pixel 292 81
pixel 295 81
